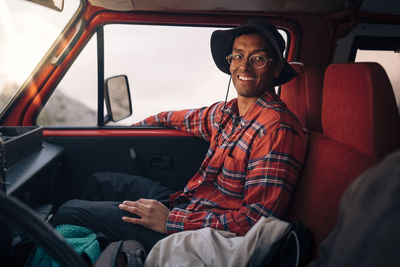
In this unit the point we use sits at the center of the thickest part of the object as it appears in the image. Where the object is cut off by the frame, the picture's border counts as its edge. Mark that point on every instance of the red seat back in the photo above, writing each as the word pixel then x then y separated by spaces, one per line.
pixel 358 117
pixel 359 108
pixel 303 96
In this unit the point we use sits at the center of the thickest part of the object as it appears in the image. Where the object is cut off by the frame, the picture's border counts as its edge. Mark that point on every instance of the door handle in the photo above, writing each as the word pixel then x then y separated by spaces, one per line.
pixel 160 162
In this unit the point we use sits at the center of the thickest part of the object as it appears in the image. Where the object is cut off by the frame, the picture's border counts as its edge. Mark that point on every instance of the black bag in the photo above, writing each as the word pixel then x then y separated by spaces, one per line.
pixel 128 253
pixel 291 251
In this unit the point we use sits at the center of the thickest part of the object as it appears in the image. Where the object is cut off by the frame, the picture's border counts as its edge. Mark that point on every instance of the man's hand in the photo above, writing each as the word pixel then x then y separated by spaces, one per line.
pixel 153 214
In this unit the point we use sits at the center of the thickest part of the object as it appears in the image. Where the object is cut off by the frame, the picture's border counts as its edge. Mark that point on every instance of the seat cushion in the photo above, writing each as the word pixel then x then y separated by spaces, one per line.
pixel 330 167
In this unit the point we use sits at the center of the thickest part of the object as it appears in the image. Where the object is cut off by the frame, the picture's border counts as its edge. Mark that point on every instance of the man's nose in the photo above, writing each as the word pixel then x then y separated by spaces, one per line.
pixel 245 65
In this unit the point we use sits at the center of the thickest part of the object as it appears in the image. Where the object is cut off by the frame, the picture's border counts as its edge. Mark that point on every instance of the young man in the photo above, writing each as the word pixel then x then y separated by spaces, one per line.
pixel 256 151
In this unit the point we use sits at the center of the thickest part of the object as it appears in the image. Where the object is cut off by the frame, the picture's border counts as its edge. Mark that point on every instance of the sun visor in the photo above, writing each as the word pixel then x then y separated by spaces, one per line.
pixel 117 5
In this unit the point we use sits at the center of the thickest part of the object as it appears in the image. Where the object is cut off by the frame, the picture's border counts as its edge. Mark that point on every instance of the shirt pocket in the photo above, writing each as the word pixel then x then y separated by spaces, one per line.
pixel 231 180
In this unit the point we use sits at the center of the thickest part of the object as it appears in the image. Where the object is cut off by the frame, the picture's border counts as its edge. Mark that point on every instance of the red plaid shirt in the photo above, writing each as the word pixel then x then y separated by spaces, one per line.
pixel 249 171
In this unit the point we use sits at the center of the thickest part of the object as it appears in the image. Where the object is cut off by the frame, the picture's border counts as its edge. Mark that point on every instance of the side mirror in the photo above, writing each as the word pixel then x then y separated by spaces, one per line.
pixel 117 98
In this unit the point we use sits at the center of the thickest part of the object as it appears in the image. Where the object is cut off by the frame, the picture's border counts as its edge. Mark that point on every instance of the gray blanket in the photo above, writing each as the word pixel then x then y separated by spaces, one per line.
pixel 210 247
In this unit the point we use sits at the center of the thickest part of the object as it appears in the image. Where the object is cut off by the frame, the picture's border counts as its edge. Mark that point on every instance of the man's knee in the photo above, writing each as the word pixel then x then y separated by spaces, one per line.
pixel 67 212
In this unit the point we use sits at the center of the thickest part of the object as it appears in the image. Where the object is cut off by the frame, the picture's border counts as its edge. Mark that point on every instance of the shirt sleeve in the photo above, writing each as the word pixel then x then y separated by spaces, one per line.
pixel 268 186
pixel 198 122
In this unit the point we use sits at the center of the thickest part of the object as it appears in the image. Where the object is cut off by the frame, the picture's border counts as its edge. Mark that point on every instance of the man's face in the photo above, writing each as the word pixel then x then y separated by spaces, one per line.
pixel 249 81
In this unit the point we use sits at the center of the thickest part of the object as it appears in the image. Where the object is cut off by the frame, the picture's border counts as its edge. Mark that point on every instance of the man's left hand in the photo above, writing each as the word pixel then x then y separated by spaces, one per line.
pixel 153 214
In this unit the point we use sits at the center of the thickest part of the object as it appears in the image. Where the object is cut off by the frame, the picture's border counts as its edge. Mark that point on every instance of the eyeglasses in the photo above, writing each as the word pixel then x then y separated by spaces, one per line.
pixel 256 61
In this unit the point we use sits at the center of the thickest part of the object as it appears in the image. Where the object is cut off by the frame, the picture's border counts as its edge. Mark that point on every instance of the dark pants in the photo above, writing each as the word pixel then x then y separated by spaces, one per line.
pixel 98 210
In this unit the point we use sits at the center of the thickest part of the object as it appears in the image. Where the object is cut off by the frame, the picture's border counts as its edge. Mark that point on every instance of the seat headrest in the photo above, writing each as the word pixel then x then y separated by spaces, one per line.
pixel 303 95
pixel 359 108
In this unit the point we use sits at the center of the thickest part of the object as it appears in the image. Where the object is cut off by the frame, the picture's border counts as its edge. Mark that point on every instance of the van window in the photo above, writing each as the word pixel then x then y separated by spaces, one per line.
pixel 389 60
pixel 27 31
pixel 74 101
pixel 373 43
pixel 168 68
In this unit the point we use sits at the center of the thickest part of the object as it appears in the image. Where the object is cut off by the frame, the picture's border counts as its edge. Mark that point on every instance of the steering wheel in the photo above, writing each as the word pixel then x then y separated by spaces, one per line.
pixel 16 213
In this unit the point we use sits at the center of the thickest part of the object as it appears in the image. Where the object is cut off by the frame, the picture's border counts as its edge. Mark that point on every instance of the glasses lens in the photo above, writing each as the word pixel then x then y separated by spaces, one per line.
pixel 257 61
pixel 235 60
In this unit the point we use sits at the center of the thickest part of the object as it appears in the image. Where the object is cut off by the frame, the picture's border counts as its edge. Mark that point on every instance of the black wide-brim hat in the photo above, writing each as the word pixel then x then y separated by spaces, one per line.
pixel 222 42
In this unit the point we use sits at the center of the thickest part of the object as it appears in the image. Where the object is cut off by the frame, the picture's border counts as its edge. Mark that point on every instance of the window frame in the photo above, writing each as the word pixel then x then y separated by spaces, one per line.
pixel 290 29
pixel 378 43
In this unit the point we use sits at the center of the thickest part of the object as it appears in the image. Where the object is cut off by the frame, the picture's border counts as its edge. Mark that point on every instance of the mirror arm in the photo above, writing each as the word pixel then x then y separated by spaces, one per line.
pixel 107 119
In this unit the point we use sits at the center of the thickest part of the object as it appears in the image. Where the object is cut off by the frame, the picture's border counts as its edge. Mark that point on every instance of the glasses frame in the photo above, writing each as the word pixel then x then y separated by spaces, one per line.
pixel 230 57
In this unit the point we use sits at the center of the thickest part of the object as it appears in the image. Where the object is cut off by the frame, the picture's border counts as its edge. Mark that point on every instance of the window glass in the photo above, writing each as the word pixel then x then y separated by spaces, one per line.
pixel 74 101
pixel 27 30
pixel 389 60
pixel 168 67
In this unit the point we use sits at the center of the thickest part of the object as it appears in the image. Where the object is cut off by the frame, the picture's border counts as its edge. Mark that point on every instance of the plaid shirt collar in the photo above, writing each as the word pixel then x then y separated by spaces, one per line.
pixel 266 100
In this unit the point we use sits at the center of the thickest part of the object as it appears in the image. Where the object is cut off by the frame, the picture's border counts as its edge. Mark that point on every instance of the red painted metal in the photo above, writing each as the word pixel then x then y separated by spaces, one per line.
pixel 115 132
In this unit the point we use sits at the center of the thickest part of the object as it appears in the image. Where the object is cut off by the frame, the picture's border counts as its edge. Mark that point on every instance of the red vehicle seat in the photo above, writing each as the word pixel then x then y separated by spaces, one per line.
pixel 359 108
pixel 303 96
pixel 360 124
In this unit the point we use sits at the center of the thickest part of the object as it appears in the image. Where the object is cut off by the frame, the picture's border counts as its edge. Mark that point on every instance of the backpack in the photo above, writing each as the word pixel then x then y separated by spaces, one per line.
pixel 127 253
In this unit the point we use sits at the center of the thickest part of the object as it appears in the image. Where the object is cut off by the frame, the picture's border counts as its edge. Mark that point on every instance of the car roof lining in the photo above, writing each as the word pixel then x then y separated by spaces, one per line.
pixel 307 6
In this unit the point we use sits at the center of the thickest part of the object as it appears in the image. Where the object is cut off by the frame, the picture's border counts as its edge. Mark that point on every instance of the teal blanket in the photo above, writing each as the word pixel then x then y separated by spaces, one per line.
pixel 81 239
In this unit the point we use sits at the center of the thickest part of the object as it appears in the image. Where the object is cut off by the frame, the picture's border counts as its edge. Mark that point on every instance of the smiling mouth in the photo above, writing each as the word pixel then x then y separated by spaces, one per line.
pixel 246 78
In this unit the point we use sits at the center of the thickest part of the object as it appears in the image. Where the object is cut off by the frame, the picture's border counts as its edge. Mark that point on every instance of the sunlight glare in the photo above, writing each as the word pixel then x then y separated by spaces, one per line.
pixel 25 49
